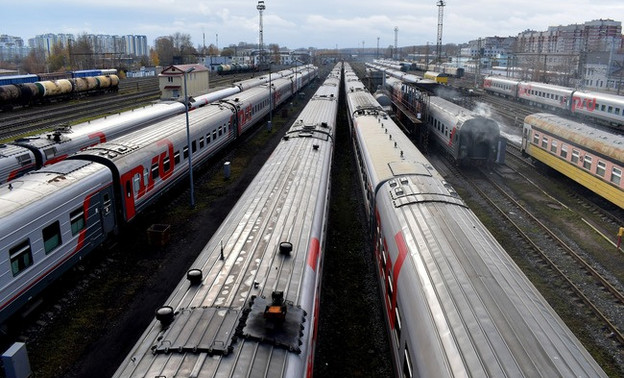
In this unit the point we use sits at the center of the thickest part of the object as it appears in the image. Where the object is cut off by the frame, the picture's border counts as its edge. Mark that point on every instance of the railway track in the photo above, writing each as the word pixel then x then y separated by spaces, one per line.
pixel 606 213
pixel 134 92
pixel 52 117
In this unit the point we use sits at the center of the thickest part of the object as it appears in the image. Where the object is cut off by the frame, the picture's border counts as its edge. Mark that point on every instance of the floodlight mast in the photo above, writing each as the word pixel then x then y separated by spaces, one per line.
pixel 260 7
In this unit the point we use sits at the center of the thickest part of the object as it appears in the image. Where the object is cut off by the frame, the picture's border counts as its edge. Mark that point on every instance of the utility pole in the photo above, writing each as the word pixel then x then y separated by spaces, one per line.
pixel 441 5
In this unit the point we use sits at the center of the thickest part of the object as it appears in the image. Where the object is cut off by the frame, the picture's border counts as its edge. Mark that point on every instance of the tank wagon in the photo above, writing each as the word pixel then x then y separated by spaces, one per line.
pixel 52 216
pixel 455 302
pixel 227 69
pixel 251 305
pixel 55 90
pixel 595 106
pixel 591 157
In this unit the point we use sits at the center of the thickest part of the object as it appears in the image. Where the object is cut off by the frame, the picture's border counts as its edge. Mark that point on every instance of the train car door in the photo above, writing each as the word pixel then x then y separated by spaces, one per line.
pixel 107 214
pixel 526 134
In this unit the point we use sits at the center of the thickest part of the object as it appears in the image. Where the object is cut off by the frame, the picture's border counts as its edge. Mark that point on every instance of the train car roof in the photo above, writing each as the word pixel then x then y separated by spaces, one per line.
pixel 48 182
pixel 594 139
pixel 218 328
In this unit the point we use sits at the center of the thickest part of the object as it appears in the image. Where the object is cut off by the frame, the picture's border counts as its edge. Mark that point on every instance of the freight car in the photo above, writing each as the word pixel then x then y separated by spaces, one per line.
pixel 55 90
pixel 35 151
pixel 253 299
pixel 228 69
pixel 455 303
pixel 591 157
pixel 52 216
pixel 595 106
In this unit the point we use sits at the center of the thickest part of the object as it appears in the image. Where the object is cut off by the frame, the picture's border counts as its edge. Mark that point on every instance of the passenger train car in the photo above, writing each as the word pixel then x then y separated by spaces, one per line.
pixel 438 77
pixel 597 106
pixel 591 157
pixel 456 304
pixel 428 85
pixel 33 152
pixel 251 306
pixel 466 136
pixel 49 218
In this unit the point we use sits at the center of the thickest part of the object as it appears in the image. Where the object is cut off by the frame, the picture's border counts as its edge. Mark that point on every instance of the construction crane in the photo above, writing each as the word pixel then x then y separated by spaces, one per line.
pixel 440 5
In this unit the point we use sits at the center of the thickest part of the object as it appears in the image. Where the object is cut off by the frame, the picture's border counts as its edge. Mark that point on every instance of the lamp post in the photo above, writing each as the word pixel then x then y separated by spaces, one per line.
pixel 296 69
pixel 188 137
pixel 270 124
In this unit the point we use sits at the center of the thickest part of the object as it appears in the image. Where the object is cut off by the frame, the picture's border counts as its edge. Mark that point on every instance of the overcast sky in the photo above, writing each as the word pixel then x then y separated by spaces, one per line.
pixel 292 23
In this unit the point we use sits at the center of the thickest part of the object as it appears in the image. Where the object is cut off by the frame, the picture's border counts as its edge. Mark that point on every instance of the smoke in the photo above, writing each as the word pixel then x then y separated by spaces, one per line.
pixel 513 133
pixel 483 110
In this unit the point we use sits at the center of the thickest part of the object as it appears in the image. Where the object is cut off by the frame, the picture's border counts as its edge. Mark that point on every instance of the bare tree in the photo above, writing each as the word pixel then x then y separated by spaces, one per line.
pixel 34 62
pixel 59 58
pixel 165 50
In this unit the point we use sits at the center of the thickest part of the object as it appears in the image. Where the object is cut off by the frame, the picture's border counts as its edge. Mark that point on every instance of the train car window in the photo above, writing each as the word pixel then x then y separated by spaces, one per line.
pixel 137 181
pixel 610 109
pixel 77 220
pixel 176 157
pixel 220 131
pixel 397 323
pixel 201 142
pixel 50 152
pixel 389 287
pixel 185 152
pixel 384 260
pixel 51 237
pixel 575 156
pixel 21 257
pixel 617 111
pixel 553 146
pixel 166 164
pixel 602 108
pixel 146 179
pixel 128 189
pixel 564 151
pixel 24 159
pixel 407 365
pixel 536 138
pixel 587 162
pixel 214 135
pixel 616 176
pixel 154 171
pixel 544 142
pixel 194 146
pixel 601 168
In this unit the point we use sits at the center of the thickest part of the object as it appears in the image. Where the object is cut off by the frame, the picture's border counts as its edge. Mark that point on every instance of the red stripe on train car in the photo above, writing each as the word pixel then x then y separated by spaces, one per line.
pixel 402 246
pixel 313 253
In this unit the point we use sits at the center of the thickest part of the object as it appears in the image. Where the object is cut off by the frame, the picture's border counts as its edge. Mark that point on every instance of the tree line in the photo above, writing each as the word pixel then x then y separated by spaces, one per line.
pixel 82 54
